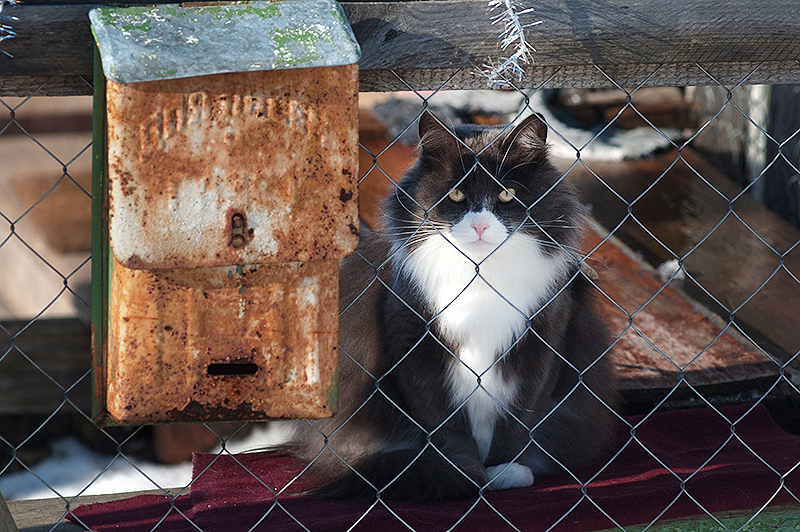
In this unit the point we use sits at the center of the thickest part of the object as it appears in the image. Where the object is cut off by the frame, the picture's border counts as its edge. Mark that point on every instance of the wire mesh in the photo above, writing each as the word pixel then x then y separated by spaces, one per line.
pixel 700 233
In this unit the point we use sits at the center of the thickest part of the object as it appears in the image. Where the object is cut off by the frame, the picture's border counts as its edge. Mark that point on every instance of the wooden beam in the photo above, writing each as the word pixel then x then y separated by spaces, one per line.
pixel 428 42
pixel 589 76
pixel 57 355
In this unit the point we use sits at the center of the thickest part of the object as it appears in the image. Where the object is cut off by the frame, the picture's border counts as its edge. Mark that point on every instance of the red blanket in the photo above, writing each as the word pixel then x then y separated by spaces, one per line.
pixel 720 469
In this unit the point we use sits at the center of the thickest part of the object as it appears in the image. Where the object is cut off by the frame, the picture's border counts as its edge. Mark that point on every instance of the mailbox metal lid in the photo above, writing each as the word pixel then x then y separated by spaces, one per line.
pixel 151 43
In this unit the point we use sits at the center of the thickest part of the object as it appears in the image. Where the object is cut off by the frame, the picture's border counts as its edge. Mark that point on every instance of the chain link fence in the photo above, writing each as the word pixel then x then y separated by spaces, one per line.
pixel 696 279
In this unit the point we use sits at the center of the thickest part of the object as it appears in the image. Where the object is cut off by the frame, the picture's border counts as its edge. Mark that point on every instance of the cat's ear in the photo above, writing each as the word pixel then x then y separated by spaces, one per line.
pixel 530 133
pixel 433 136
pixel 430 124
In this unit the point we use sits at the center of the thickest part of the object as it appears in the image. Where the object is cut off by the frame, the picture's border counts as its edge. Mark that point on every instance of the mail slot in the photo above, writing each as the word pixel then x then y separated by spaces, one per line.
pixel 225 192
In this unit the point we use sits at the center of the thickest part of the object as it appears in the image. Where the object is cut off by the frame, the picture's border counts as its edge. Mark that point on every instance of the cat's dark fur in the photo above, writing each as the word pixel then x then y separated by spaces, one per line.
pixel 419 325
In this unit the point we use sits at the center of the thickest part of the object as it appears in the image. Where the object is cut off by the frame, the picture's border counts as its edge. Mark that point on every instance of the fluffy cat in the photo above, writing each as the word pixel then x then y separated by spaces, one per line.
pixel 468 339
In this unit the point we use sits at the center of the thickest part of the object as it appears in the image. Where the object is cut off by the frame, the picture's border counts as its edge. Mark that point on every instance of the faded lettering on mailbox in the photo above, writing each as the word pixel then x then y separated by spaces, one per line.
pixel 174 122
pixel 275 146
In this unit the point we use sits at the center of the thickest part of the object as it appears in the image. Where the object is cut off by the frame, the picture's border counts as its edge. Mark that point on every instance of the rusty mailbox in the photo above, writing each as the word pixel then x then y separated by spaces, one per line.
pixel 225 192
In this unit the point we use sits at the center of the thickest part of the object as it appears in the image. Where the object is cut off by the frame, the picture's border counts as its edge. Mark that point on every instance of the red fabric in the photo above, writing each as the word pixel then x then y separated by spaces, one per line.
pixel 137 514
pixel 719 471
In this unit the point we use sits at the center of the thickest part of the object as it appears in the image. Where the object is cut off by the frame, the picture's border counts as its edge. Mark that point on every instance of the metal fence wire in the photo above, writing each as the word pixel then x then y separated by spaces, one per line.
pixel 668 176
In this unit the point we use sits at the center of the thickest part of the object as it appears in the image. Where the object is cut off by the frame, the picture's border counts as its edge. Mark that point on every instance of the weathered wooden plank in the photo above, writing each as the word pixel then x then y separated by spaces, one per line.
pixel 60 36
pixel 47 515
pixel 24 86
pixel 428 42
pixel 590 76
pixel 7 523
pixel 664 335
pixel 449 34
pixel 663 107
pixel 568 76
pixel 61 355
pixel 741 256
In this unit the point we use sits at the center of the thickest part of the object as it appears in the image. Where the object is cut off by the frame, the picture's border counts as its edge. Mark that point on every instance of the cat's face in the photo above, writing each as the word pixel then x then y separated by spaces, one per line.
pixel 483 190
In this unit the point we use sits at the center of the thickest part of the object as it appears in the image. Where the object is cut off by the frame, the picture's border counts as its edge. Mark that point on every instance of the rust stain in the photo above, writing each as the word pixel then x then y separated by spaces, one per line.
pixel 223 343
pixel 280 148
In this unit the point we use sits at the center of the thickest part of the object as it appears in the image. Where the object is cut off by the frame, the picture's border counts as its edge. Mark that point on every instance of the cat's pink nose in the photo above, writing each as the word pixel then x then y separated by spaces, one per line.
pixel 480 227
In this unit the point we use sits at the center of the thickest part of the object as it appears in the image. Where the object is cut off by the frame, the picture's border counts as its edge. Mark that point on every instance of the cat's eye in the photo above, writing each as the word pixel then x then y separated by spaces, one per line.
pixel 456 195
pixel 506 195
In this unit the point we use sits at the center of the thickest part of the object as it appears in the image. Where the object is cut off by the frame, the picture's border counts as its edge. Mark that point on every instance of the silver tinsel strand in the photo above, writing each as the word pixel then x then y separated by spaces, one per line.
pixel 6 31
pixel 500 73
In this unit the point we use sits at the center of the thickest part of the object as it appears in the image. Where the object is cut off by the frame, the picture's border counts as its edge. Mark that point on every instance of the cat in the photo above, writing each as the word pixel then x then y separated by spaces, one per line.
pixel 465 323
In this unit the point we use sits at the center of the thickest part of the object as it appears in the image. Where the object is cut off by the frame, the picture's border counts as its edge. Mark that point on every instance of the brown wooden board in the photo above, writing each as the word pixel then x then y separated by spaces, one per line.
pixel 381 163
pixel 426 43
pixel 739 255
pixel 47 515
pixel 7 523
pixel 666 340
pixel 664 107
pixel 56 358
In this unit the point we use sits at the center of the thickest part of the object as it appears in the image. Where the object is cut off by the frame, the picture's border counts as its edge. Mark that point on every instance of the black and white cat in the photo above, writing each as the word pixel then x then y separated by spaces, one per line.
pixel 470 353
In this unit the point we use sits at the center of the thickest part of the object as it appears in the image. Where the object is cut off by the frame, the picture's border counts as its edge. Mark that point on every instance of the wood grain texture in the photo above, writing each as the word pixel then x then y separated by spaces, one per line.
pixel 667 341
pixel 743 261
pixel 7 523
pixel 428 42
pixel 51 41
pixel 576 32
pixel 590 76
pixel 47 515
pixel 41 361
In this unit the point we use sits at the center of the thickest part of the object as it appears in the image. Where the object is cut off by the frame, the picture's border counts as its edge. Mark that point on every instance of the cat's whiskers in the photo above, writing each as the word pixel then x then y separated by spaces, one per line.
pixel 411 234
pixel 566 225
pixel 555 243
pixel 558 222
pixel 505 156
pixel 408 210
pixel 504 174
pixel 513 182
pixel 573 252
pixel 403 230
pixel 463 167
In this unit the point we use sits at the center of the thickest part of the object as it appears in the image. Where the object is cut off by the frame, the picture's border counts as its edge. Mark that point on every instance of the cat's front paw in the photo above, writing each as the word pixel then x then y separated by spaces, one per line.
pixel 507 476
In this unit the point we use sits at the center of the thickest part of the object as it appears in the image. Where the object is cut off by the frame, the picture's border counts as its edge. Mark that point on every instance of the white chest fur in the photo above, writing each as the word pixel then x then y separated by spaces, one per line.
pixel 484 288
